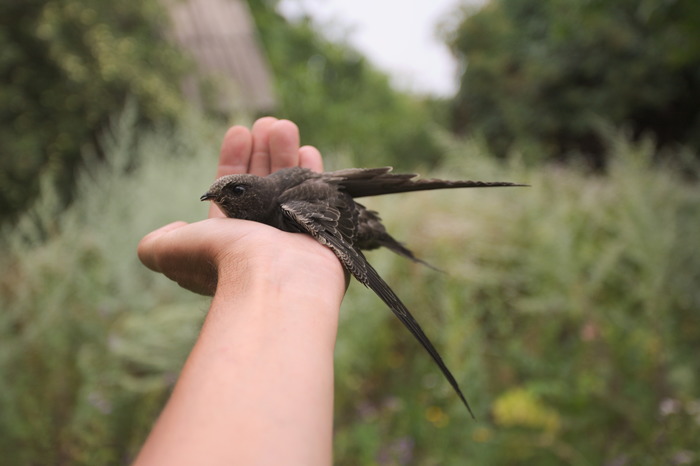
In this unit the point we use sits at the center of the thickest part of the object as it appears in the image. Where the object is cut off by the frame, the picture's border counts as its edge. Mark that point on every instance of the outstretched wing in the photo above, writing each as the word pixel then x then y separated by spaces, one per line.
pixel 359 182
pixel 323 222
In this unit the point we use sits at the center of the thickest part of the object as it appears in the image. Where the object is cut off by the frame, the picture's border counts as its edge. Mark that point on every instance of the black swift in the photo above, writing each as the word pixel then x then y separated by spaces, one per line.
pixel 323 206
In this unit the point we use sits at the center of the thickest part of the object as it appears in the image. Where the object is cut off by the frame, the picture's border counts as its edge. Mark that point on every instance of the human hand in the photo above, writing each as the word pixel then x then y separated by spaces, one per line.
pixel 202 255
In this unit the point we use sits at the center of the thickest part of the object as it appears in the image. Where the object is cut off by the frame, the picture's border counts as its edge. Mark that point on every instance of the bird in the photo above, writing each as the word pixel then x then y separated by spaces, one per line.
pixel 322 204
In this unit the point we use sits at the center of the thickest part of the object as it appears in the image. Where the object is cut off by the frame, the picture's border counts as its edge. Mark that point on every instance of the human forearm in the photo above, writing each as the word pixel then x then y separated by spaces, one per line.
pixel 258 385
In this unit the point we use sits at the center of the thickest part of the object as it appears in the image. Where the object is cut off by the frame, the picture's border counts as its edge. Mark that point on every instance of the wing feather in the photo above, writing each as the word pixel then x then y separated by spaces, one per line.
pixel 323 226
pixel 360 182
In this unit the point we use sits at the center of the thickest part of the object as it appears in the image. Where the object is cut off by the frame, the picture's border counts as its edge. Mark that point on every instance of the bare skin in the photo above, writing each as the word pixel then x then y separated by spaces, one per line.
pixel 257 387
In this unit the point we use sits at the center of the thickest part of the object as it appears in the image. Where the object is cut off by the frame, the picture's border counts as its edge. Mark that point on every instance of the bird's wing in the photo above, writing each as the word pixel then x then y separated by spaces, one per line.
pixel 322 223
pixel 360 182
pixel 325 223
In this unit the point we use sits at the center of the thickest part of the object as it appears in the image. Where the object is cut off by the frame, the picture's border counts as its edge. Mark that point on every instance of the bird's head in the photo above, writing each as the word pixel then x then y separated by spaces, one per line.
pixel 241 196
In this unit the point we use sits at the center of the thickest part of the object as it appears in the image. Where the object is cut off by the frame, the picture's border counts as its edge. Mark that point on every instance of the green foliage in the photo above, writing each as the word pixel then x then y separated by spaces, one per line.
pixel 340 102
pixel 65 67
pixel 568 312
pixel 544 74
pixel 91 340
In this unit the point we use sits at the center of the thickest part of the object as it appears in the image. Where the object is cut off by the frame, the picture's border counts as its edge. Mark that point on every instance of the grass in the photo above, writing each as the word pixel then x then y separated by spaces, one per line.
pixel 568 311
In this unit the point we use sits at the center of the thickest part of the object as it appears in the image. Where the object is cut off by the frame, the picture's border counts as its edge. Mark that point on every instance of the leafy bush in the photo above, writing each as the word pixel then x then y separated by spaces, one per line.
pixel 65 67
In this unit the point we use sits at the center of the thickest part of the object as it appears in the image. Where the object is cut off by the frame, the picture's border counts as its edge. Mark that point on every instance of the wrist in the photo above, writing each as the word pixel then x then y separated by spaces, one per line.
pixel 296 269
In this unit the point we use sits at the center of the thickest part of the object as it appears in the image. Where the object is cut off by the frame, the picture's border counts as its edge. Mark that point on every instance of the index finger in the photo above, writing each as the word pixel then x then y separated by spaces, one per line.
pixel 235 151
pixel 234 158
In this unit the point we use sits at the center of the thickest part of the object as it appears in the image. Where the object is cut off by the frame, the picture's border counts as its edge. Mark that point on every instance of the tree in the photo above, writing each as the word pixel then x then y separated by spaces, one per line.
pixel 66 66
pixel 545 73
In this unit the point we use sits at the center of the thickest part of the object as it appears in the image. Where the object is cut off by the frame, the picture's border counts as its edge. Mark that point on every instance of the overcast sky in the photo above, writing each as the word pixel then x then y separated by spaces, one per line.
pixel 398 36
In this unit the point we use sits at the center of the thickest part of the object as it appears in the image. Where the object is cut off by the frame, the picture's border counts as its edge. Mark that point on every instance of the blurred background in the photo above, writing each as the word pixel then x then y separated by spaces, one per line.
pixel 569 311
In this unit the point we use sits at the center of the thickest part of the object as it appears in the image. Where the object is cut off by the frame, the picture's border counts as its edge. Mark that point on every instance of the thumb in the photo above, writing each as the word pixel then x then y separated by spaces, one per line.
pixel 150 246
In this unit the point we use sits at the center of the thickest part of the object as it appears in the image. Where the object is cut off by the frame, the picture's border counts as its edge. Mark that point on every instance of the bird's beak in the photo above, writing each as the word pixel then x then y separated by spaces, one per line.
pixel 207 197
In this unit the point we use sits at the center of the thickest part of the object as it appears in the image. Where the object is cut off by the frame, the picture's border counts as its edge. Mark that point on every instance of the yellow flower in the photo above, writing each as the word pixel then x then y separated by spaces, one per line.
pixel 437 416
pixel 520 407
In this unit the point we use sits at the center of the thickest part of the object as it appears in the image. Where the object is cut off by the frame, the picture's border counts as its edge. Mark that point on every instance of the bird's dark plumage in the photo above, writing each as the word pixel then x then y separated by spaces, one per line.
pixel 323 206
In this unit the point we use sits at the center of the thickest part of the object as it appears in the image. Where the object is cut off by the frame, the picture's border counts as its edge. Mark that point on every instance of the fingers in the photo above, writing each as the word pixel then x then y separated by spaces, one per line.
pixel 234 158
pixel 235 151
pixel 310 157
pixel 284 145
pixel 184 253
pixel 271 145
pixel 260 158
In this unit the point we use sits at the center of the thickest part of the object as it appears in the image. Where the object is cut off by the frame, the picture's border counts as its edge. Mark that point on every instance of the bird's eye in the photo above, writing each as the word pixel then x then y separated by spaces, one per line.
pixel 237 189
